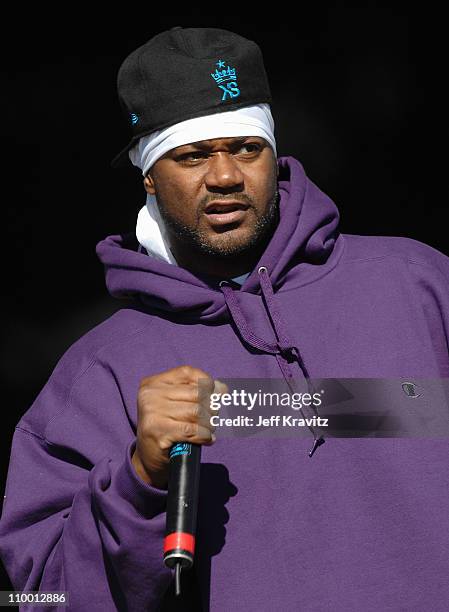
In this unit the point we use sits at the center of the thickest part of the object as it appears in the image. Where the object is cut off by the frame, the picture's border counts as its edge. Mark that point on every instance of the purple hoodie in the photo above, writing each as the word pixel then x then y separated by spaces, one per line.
pixel 362 525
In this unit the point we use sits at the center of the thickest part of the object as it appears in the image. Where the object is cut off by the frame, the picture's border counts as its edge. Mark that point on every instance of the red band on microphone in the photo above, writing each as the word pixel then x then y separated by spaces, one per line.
pixel 185 541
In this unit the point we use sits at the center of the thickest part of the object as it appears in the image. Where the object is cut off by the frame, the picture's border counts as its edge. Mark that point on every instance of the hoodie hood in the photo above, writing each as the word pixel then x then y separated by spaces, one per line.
pixel 304 246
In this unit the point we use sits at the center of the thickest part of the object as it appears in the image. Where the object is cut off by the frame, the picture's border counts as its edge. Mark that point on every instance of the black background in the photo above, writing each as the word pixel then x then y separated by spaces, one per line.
pixel 358 99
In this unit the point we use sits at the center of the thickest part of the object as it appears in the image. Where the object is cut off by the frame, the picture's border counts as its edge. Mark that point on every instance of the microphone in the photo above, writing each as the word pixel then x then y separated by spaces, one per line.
pixel 182 508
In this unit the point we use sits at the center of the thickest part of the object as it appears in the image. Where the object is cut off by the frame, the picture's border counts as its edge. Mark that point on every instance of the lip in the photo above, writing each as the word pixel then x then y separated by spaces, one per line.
pixel 224 218
pixel 226 212
pixel 224 205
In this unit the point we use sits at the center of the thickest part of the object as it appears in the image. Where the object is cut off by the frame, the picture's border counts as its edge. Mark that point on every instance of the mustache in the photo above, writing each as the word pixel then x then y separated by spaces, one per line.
pixel 220 197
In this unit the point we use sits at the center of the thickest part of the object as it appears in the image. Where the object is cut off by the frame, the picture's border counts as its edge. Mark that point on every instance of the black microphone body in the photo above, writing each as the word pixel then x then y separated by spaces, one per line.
pixel 182 506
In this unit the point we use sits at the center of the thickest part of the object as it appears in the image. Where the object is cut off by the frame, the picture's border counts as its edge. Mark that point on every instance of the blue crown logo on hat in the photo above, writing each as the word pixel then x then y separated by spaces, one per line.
pixel 229 77
pixel 134 118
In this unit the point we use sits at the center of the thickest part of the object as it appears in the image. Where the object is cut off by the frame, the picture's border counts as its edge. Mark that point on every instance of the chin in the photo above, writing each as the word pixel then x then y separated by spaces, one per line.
pixel 229 246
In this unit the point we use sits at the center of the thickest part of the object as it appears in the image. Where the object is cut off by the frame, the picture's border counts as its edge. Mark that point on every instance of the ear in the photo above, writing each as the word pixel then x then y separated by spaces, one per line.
pixel 148 183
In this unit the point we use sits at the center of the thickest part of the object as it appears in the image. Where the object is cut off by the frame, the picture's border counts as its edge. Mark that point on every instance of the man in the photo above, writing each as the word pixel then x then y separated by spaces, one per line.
pixel 238 270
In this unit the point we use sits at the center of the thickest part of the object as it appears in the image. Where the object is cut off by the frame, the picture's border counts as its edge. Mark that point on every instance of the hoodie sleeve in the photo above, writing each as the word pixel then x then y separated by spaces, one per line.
pixel 76 517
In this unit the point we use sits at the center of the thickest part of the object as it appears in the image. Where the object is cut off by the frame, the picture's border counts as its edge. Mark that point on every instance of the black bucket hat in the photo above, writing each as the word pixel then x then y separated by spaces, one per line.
pixel 185 73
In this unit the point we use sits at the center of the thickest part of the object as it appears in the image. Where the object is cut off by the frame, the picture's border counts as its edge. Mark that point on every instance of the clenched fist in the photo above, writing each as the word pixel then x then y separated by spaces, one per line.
pixel 169 410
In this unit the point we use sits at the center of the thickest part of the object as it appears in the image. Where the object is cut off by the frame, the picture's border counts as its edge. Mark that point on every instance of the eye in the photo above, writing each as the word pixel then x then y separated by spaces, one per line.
pixel 250 148
pixel 192 156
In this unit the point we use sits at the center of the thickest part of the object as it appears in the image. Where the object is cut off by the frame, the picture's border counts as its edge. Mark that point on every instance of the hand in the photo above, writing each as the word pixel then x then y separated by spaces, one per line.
pixel 169 411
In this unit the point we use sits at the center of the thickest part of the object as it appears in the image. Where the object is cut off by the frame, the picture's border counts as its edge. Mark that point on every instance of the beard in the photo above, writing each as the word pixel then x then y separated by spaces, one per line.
pixel 225 246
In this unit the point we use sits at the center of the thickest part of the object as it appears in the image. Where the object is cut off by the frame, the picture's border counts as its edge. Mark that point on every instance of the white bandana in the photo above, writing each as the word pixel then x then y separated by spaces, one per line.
pixel 247 121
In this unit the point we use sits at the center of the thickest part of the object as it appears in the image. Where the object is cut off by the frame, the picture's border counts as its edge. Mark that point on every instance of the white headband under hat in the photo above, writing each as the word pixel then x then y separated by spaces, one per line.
pixel 247 121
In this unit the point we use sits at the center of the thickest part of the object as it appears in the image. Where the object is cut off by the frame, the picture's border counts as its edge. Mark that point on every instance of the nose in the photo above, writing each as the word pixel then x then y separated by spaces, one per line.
pixel 223 173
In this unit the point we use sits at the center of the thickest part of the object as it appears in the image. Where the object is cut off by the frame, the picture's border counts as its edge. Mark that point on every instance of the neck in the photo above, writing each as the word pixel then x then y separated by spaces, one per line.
pixel 219 267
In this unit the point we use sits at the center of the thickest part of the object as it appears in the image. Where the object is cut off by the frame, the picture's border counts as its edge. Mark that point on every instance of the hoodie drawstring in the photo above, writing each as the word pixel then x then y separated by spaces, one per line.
pixel 284 350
